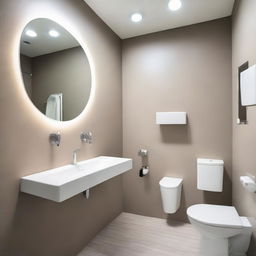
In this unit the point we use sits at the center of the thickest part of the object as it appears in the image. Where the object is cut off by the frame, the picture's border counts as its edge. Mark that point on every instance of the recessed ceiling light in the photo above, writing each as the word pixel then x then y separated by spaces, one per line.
pixel 31 33
pixel 174 5
pixel 54 33
pixel 136 17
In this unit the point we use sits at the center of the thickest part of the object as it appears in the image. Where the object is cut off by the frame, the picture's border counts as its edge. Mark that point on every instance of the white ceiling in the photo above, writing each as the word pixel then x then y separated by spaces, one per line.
pixel 156 15
pixel 43 43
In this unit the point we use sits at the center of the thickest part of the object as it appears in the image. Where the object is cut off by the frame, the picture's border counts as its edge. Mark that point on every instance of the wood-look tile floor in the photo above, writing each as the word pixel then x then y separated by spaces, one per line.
pixel 135 235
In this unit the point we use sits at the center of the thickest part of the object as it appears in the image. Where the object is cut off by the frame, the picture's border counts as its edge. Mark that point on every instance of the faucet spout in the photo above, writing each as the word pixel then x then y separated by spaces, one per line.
pixel 75 156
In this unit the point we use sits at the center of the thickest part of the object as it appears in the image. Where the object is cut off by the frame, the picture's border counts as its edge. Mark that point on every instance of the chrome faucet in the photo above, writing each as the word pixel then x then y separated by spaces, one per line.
pixel 86 137
pixel 75 156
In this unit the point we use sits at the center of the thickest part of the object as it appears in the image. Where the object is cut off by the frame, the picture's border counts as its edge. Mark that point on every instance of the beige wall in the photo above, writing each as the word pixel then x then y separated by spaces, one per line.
pixel 186 69
pixel 67 72
pixel 29 225
pixel 244 136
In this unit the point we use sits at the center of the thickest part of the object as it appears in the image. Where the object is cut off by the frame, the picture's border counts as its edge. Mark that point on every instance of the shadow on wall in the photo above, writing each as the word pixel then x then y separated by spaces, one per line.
pixel 146 182
pixel 213 197
pixel 174 223
pixel 252 248
pixel 176 134
pixel 41 226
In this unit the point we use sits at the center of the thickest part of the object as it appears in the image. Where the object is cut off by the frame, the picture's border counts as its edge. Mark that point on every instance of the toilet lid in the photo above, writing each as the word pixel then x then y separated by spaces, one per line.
pixel 215 215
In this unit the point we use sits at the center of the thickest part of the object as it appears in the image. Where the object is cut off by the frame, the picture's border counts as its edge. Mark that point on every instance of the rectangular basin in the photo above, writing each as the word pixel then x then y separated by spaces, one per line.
pixel 61 183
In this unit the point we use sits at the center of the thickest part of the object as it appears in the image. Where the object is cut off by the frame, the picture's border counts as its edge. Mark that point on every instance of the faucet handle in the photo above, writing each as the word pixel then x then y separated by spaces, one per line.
pixel 55 138
pixel 86 137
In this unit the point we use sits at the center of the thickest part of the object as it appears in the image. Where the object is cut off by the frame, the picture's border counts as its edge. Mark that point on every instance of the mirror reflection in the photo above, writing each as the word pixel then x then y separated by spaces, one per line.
pixel 55 70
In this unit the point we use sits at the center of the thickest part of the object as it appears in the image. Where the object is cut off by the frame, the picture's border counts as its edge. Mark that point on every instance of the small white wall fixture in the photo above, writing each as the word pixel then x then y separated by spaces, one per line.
pixel 169 118
pixel 249 183
pixel 210 174
pixel 248 86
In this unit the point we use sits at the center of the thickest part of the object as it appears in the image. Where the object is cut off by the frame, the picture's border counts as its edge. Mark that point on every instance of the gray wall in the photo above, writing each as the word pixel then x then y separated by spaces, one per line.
pixel 67 72
pixel 29 225
pixel 244 136
pixel 186 69
pixel 26 71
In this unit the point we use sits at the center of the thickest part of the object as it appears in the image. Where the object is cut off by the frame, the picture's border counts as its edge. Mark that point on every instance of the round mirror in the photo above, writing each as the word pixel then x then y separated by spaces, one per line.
pixel 55 70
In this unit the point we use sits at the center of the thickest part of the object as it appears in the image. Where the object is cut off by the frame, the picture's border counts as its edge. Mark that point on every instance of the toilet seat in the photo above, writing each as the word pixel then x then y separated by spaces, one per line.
pixel 215 215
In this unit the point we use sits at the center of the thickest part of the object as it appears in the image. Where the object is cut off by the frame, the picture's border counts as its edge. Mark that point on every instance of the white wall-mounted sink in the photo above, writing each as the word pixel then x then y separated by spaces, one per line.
pixel 64 182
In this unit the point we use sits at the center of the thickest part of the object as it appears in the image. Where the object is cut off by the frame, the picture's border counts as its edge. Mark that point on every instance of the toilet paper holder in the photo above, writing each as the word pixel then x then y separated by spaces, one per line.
pixel 144 161
pixel 249 182
pixel 144 171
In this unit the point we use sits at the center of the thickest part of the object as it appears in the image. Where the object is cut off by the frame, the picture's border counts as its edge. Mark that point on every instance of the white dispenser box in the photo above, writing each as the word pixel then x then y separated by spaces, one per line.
pixel 248 86
pixel 171 118
pixel 210 174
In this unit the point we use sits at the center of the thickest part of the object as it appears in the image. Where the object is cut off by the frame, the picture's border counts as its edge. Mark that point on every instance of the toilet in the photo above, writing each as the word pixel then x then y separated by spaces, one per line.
pixel 223 231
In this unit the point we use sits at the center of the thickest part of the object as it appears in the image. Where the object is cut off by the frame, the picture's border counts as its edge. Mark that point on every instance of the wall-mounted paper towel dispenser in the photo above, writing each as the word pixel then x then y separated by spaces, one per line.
pixel 248 86
pixel 171 118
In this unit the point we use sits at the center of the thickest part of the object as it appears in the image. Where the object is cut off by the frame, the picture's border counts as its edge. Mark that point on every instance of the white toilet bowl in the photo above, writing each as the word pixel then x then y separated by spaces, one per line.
pixel 223 231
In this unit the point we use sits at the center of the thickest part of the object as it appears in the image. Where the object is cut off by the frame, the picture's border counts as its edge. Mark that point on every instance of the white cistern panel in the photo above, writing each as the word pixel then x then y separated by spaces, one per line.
pixel 210 174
